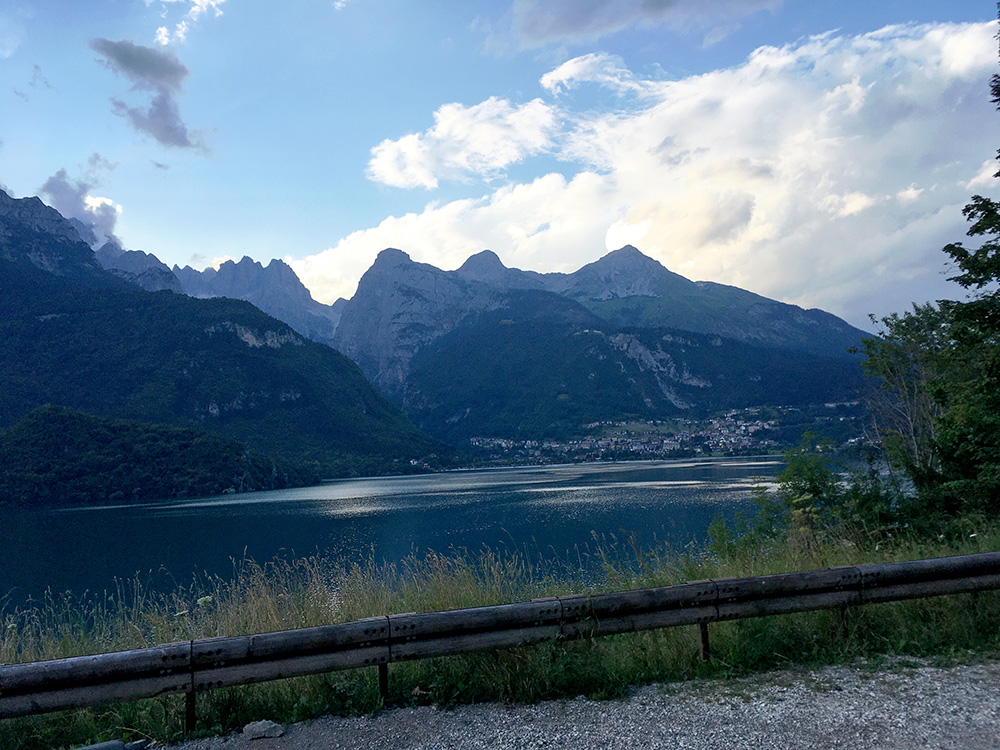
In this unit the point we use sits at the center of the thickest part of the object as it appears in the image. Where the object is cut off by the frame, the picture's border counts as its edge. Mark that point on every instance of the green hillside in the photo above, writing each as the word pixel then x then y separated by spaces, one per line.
pixel 219 365
pixel 58 456
pixel 544 378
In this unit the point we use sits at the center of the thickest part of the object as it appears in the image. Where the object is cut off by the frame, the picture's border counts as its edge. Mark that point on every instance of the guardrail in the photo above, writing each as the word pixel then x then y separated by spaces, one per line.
pixel 205 664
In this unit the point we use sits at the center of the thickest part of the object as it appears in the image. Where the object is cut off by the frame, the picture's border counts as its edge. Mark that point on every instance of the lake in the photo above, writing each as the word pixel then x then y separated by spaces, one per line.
pixel 551 511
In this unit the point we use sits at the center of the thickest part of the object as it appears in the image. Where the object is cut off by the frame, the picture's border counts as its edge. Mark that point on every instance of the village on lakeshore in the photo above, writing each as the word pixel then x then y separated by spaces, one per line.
pixel 751 431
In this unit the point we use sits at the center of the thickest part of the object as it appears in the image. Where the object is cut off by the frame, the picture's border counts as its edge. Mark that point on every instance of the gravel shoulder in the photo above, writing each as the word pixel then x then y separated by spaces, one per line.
pixel 910 705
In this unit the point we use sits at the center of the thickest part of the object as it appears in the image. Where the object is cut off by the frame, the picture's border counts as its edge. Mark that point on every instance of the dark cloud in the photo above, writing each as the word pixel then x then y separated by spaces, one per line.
pixel 161 119
pixel 159 72
pixel 146 67
pixel 69 197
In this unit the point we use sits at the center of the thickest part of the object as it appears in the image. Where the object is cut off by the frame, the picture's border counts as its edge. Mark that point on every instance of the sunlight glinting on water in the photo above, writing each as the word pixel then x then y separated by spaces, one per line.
pixel 546 510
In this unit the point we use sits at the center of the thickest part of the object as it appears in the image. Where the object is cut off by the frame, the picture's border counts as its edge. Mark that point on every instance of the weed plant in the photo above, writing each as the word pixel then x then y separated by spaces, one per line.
pixel 296 593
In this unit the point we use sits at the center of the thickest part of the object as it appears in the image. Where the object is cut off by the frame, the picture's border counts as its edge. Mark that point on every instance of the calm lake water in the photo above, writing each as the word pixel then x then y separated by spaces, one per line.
pixel 552 512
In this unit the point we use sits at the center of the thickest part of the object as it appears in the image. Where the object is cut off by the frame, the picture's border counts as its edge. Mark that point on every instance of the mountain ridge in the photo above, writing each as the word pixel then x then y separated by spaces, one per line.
pixel 274 288
pixel 87 340
pixel 402 307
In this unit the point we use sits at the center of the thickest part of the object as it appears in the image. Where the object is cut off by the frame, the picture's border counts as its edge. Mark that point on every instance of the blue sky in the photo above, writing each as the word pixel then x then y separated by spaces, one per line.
pixel 815 152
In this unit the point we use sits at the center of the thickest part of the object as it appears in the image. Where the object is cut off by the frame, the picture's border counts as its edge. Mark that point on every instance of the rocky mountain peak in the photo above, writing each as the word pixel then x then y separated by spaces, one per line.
pixel 391 258
pixel 628 259
pixel 35 235
pixel 144 270
pixel 487 268
pixel 33 214
pixel 109 250
pixel 625 272
pixel 274 288
pixel 485 263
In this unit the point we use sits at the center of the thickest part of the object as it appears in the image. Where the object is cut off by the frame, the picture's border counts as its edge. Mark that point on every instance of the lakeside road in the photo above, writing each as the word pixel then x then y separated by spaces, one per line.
pixel 907 705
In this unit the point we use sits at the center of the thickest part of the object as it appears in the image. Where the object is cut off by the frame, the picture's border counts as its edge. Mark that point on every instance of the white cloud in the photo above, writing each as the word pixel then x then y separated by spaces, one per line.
pixel 601 68
pixel 828 173
pixel 465 142
pixel 195 9
pixel 985 177
pixel 73 198
pixel 217 262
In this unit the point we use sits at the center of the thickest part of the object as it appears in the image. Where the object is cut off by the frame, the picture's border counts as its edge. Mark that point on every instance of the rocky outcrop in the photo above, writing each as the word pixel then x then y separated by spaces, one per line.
pixel 403 309
pixel 35 236
pixel 486 267
pixel 274 288
pixel 400 308
pixel 142 269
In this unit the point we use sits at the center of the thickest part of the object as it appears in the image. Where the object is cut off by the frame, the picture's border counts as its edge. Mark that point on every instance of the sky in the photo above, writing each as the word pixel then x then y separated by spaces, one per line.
pixel 812 151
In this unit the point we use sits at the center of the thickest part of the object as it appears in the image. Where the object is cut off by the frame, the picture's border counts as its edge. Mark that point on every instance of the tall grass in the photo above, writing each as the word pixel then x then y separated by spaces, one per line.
pixel 311 591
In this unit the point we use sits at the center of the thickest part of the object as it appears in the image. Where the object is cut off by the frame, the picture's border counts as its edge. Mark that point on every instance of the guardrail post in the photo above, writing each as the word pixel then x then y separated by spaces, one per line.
pixel 705 649
pixel 383 682
pixel 190 715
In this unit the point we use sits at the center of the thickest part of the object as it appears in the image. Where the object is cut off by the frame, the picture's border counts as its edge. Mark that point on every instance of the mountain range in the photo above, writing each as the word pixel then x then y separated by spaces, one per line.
pixel 481 350
pixel 273 288
pixel 76 335
pixel 486 350
pixel 403 311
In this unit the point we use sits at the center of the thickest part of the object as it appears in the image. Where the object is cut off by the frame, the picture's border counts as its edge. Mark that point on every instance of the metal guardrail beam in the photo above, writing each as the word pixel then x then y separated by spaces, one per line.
pixel 194 666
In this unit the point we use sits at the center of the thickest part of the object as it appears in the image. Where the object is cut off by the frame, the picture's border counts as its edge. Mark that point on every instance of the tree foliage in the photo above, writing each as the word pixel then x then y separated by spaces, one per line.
pixel 938 408
pixel 58 456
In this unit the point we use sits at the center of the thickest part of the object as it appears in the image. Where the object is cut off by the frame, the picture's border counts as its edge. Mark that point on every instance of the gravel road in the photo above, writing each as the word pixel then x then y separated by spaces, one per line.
pixel 911 705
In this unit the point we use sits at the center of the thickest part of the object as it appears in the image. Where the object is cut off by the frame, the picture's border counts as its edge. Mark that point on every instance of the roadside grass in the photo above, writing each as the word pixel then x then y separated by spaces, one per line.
pixel 285 594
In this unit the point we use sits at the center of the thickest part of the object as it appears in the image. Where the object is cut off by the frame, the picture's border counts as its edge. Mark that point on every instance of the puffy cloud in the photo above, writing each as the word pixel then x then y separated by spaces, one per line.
pixel 827 173
pixel 520 222
pixel 540 22
pixel 481 141
pixel 195 10
pixel 606 70
pixel 74 199
pixel 156 71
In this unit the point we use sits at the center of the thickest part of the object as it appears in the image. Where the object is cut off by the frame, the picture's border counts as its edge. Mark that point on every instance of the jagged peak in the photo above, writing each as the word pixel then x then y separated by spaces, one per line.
pixel 483 261
pixel 207 272
pixel 109 250
pixel 629 255
pixel 628 250
pixel 392 257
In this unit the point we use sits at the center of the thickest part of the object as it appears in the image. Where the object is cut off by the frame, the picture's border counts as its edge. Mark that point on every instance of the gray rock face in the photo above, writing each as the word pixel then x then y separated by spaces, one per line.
pixel 401 307
pixel 274 288
pixel 33 234
pixel 142 269
pixel 33 214
pixel 621 273
pixel 487 268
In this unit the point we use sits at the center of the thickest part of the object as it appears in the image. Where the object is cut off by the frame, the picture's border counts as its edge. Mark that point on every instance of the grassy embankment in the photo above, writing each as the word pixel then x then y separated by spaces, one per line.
pixel 306 592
